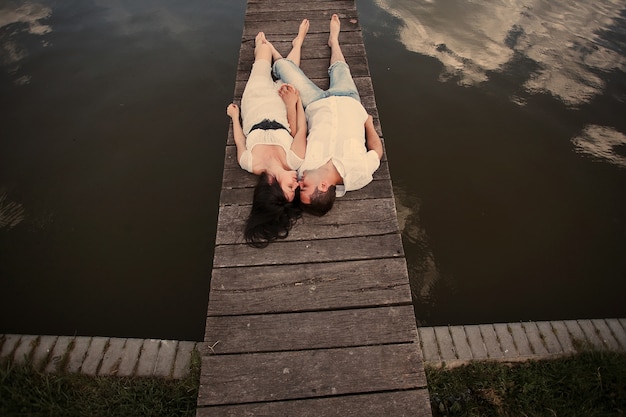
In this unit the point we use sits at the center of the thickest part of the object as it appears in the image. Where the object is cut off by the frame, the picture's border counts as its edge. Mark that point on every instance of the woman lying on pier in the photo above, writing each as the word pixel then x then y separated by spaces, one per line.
pixel 271 116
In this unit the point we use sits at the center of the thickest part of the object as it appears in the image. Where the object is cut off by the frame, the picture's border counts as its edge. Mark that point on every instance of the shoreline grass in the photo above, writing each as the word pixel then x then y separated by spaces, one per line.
pixel 587 384
pixel 29 392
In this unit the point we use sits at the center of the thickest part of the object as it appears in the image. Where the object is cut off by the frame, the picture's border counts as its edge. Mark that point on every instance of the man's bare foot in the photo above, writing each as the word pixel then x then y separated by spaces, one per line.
pixel 335 27
pixel 302 31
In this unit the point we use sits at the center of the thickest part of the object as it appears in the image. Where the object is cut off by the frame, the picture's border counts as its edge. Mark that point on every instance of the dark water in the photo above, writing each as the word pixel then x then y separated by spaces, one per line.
pixel 113 127
pixel 506 131
pixel 503 124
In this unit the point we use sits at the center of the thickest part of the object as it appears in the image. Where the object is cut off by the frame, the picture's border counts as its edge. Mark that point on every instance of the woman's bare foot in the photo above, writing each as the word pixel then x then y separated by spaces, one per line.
pixel 262 48
pixel 335 27
pixel 260 39
pixel 302 31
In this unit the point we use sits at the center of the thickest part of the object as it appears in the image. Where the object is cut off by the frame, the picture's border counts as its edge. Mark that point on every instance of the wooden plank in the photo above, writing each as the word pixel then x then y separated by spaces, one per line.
pixel 235 177
pixel 257 377
pixel 348 218
pixel 310 251
pixel 318 24
pixel 350 50
pixel 353 54
pixel 311 7
pixel 318 18
pixel 311 330
pixel 379 188
pixel 363 84
pixel 412 403
pixel 316 68
pixel 306 287
pixel 315 43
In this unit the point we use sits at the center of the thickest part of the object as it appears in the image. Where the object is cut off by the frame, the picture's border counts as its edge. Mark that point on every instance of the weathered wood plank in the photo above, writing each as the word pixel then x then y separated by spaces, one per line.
pixel 310 251
pixel 290 288
pixel 363 84
pixel 353 54
pixel 319 23
pixel 311 7
pixel 317 68
pixel 348 218
pixel 376 189
pixel 235 177
pixel 315 43
pixel 318 18
pixel 412 403
pixel 311 330
pixel 257 377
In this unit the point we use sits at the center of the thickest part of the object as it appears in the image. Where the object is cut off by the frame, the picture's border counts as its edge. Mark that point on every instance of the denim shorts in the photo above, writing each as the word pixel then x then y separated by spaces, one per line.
pixel 341 82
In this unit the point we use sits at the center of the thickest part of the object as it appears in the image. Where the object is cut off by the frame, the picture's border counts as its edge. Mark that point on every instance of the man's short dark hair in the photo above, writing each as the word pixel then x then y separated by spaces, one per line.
pixel 321 202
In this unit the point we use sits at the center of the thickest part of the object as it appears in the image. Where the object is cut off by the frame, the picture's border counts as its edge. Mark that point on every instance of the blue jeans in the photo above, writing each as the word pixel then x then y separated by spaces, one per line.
pixel 341 82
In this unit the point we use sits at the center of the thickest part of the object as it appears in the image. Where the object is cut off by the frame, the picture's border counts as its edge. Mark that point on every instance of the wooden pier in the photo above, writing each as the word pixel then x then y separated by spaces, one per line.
pixel 320 324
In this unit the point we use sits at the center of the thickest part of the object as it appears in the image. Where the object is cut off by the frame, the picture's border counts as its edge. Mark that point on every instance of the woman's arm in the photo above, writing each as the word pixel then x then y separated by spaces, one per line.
pixel 372 140
pixel 298 146
pixel 240 139
pixel 290 97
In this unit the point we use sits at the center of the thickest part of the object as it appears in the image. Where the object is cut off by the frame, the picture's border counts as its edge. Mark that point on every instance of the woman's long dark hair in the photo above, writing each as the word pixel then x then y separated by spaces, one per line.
pixel 272 216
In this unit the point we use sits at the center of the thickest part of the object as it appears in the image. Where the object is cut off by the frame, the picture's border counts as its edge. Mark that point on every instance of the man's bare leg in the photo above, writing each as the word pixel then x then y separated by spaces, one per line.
pixel 296 43
pixel 262 48
pixel 333 40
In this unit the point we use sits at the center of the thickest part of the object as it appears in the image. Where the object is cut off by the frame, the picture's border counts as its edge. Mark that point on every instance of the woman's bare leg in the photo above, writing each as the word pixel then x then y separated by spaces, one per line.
pixel 296 43
pixel 275 54
pixel 262 48
pixel 333 40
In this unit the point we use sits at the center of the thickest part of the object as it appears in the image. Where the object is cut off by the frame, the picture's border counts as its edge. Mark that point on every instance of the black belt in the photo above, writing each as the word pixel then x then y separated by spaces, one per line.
pixel 268 125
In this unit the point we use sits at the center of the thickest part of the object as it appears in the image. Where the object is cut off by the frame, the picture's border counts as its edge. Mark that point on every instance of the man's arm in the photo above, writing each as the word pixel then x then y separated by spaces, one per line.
pixel 240 139
pixel 372 140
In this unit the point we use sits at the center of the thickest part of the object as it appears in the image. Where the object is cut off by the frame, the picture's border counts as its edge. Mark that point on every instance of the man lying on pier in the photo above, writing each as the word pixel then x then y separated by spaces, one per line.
pixel 343 148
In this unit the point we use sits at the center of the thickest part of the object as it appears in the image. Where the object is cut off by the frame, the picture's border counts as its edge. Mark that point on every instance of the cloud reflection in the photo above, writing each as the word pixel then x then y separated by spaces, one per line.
pixel 423 273
pixel 11 213
pixel 14 21
pixel 603 143
pixel 567 40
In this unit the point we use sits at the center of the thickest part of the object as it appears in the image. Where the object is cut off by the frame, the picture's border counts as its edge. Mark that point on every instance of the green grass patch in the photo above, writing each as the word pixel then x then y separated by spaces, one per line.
pixel 25 391
pixel 587 384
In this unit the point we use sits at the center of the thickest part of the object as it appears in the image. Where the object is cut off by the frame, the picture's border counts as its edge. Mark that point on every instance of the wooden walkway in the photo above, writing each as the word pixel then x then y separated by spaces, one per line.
pixel 441 345
pixel 320 324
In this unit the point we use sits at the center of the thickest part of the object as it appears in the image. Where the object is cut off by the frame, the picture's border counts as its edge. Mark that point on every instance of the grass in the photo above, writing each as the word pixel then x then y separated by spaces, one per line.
pixel 587 384
pixel 25 391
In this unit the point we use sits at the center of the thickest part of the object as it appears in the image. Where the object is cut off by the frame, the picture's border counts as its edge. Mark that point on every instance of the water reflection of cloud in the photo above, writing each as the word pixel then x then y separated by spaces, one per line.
pixel 178 22
pixel 474 38
pixel 424 273
pixel 30 15
pixel 136 17
pixel 603 143
pixel 11 213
